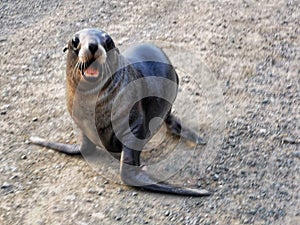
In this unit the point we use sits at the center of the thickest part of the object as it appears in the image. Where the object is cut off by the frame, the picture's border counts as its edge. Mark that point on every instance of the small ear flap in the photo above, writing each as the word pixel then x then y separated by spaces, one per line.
pixel 65 48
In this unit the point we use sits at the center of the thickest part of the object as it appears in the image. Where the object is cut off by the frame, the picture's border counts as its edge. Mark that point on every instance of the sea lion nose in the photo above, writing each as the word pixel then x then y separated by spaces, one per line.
pixel 93 48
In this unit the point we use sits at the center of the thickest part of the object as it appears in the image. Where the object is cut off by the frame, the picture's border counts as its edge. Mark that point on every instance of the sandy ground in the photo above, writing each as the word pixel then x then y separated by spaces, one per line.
pixel 252 49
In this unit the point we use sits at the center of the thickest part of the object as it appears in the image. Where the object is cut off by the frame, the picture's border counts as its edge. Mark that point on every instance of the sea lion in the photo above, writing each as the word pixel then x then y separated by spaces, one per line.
pixel 96 75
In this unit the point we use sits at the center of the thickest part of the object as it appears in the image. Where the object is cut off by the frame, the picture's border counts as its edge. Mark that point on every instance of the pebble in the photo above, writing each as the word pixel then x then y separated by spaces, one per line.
pixel 98 215
pixel 167 213
pixel 6 185
pixel 265 101
pixel 120 190
pixel 185 80
pixel 106 182
pixel 101 191
pixel 262 131
pixel 172 219
pixel 246 220
pixel 296 154
pixel 252 211
pixel 215 177
pixel 289 140
pixel 34 119
pixel 15 176
pixel 70 198
pixel 4 109
pixel 199 184
pixel 195 220
pixel 92 191
pixel 118 218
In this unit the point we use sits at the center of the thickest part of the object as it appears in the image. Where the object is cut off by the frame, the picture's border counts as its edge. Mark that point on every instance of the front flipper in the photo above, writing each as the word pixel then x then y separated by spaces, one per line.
pixel 65 148
pixel 133 175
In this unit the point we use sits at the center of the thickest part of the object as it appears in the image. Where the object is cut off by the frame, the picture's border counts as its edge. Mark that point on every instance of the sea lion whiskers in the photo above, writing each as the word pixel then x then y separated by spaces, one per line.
pixel 108 71
pixel 75 70
pixel 102 83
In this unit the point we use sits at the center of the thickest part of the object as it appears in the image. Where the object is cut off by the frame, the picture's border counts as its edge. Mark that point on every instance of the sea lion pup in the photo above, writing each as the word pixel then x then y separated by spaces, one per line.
pixel 97 74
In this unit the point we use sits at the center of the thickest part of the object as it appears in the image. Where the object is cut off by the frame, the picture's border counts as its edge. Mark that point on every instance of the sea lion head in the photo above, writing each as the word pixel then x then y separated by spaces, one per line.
pixel 91 54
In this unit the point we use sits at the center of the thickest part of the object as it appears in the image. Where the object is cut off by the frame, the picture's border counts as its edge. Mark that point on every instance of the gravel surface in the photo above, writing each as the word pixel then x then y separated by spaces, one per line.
pixel 252 48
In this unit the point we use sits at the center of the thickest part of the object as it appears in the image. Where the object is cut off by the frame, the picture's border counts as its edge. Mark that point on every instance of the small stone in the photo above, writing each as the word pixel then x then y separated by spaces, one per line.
pixel 57 166
pixel 6 185
pixel 100 192
pixel 118 218
pixel 262 131
pixel 252 212
pixel 199 184
pixel 172 219
pixel 14 177
pixel 13 169
pixel 70 198
pixel 243 173
pixel 246 220
pixel 34 119
pixel 106 182
pixel 215 177
pixel 167 213
pixel 265 101
pixel 289 140
pixel 231 135
pixel 92 191
pixel 296 154
pixel 99 215
pixel 3 112
pixel 5 107
pixel 252 163
pixel 23 157
pixel 134 193
pixel 186 80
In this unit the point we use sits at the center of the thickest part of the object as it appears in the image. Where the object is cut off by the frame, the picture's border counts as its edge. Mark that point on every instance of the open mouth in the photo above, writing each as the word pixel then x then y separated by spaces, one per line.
pixel 90 70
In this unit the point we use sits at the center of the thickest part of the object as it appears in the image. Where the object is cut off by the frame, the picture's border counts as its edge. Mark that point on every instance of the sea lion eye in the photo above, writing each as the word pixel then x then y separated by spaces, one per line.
pixel 75 42
pixel 109 44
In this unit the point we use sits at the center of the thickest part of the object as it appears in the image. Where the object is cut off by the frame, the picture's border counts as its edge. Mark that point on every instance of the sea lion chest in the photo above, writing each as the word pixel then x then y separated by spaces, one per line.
pixel 92 116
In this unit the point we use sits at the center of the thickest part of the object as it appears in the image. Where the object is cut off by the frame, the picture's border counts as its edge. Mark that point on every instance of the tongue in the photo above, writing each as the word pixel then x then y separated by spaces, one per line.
pixel 90 71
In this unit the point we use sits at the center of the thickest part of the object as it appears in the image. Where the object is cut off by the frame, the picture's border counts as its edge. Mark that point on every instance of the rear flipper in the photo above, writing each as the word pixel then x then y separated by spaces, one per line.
pixel 133 175
pixel 175 127
pixel 65 148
